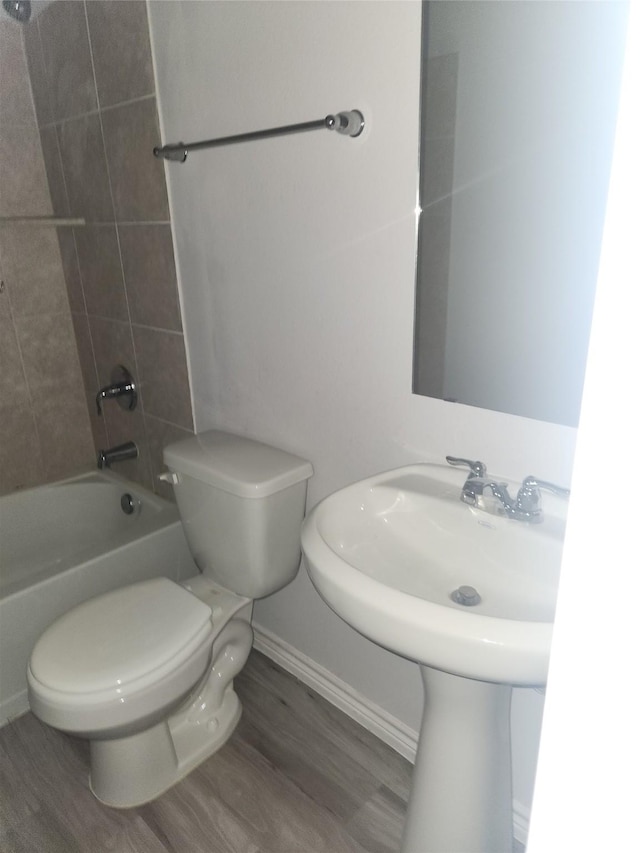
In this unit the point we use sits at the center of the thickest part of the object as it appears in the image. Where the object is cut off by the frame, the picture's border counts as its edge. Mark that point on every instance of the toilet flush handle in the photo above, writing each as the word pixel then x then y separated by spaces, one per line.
pixel 170 477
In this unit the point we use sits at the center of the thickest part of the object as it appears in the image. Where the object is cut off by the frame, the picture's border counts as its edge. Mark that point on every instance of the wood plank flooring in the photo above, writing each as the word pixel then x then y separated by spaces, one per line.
pixel 297 776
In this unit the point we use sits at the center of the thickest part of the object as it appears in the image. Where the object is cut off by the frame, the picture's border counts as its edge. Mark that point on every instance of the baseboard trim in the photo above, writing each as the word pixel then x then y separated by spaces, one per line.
pixel 13 707
pixel 370 716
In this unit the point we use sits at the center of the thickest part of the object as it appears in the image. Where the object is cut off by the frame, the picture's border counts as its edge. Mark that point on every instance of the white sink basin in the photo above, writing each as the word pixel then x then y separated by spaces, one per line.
pixel 386 554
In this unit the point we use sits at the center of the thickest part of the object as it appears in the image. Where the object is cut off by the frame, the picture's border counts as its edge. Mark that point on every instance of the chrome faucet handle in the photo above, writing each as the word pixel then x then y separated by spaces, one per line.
pixel 478 469
pixel 110 391
pixel 123 388
pixel 528 499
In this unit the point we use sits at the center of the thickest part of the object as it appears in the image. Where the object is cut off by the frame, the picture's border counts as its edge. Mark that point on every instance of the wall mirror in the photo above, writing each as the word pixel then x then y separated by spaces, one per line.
pixel 518 110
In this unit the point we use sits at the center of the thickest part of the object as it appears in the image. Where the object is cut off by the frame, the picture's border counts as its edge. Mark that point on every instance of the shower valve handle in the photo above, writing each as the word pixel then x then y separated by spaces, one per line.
pixel 122 388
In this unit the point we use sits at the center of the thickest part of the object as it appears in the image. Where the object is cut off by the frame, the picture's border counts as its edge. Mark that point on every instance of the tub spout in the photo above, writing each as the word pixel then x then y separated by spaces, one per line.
pixel 128 450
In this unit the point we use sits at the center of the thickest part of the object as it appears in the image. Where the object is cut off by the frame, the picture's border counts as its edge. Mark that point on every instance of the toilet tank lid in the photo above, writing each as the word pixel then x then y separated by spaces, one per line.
pixel 236 464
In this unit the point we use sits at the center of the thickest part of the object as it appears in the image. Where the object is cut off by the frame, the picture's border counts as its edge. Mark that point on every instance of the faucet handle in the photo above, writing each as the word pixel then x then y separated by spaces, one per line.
pixel 123 388
pixel 478 469
pixel 528 498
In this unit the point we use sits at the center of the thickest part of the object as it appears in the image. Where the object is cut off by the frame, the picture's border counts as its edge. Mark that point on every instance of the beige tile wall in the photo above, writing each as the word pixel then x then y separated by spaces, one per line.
pixel 93 89
pixel 45 433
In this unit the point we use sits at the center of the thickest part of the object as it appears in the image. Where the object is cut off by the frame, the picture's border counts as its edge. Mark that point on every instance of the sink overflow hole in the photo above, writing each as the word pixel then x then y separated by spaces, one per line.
pixel 466 595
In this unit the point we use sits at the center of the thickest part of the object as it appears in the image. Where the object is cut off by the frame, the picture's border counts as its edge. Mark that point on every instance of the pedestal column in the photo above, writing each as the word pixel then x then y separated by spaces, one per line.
pixel 461 800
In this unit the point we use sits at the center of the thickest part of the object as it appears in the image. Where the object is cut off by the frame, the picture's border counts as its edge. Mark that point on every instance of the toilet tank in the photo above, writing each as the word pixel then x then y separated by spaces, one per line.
pixel 241 504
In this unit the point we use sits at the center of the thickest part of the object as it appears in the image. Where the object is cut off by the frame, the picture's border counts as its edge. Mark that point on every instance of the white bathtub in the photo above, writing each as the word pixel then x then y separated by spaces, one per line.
pixel 65 542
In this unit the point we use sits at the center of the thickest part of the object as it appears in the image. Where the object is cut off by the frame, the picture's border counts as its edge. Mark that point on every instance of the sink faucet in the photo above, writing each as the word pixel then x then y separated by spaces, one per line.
pixel 526 506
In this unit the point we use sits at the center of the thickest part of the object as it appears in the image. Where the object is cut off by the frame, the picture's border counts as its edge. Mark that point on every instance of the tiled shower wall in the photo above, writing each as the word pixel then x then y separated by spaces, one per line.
pixel 93 89
pixel 44 426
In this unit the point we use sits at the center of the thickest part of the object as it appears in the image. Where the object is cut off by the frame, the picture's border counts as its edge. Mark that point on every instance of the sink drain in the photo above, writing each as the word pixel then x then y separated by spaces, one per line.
pixel 466 595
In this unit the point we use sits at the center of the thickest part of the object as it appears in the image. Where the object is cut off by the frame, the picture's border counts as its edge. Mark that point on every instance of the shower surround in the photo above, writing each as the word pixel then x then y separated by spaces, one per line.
pixel 43 435
pixel 88 92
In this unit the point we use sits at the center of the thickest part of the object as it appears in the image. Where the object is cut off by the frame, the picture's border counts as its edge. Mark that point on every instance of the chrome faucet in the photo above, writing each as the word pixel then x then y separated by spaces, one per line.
pixel 123 388
pixel 526 506
pixel 120 453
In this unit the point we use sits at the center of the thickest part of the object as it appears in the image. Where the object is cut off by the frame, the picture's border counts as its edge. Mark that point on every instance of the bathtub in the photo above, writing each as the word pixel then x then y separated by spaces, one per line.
pixel 63 543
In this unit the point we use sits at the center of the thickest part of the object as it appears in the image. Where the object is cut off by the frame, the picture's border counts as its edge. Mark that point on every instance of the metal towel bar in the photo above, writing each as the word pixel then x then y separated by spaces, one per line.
pixel 349 123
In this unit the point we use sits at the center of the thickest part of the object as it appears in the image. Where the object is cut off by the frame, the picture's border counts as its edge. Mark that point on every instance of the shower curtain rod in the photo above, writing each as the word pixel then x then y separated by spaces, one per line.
pixel 349 123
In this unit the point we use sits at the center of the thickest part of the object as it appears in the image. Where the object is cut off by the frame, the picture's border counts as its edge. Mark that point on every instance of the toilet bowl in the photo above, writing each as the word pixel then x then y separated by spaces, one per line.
pixel 145 672
pixel 152 709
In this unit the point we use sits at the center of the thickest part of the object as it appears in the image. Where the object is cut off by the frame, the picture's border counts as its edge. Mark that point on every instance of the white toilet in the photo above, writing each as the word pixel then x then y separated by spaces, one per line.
pixel 146 672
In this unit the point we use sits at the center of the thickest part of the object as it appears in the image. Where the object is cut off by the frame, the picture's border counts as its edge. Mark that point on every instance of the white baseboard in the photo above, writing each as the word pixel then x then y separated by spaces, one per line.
pixel 13 707
pixel 370 716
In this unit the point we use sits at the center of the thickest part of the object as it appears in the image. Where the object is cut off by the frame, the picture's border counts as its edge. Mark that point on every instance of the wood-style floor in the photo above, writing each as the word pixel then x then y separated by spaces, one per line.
pixel 297 776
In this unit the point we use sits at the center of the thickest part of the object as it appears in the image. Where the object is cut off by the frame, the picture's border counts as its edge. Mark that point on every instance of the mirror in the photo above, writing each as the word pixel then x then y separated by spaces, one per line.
pixel 518 111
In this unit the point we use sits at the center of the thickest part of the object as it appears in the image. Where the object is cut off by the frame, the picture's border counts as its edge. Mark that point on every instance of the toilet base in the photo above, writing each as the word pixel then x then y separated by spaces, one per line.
pixel 132 770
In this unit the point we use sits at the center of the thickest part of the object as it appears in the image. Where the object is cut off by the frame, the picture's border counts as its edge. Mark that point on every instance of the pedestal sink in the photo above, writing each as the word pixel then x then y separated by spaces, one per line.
pixel 468 595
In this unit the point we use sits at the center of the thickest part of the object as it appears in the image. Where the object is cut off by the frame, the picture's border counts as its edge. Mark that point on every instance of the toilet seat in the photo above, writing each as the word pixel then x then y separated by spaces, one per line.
pixel 120 656
pixel 117 639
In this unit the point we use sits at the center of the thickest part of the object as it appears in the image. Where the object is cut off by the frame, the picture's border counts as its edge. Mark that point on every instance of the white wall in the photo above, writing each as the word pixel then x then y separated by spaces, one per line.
pixel 296 260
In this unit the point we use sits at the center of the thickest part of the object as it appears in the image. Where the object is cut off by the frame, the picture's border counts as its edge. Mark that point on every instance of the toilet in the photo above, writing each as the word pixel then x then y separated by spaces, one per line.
pixel 145 672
